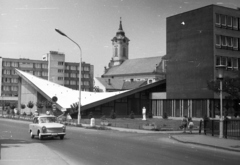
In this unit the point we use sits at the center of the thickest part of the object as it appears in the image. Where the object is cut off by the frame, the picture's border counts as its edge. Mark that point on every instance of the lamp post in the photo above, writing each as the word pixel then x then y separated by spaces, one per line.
pixel 79 102
pixel 220 72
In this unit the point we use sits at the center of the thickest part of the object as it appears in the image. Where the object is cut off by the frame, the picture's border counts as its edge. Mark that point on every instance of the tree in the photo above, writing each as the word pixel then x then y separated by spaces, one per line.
pixel 30 105
pixel 231 86
pixel 39 104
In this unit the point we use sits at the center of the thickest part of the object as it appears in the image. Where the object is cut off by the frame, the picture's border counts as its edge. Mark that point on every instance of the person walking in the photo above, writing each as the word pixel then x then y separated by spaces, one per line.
pixel 184 124
pixel 190 124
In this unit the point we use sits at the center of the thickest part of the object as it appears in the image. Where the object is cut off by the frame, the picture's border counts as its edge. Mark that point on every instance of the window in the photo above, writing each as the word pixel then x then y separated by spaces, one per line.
pixel 73 75
pixel 6 63
pixel 235 63
pixel 37 65
pixel 72 82
pixel 67 67
pixel 14 64
pixel 235 23
pixel 60 63
pixel 60 78
pixel 86 75
pixel 220 60
pixel 224 41
pixel 115 52
pixel 66 82
pixel 13 72
pixel 230 42
pixel 223 20
pixel 7 72
pixel 14 88
pixel 44 66
pixel 7 80
pixel 44 74
pixel 37 73
pixel 86 68
pixel 73 68
pixel 86 83
pixel 218 41
pixel 14 80
pixel 60 70
pixel 235 43
pixel 6 88
pixel 229 63
pixel 218 20
pixel 229 21
pixel 66 74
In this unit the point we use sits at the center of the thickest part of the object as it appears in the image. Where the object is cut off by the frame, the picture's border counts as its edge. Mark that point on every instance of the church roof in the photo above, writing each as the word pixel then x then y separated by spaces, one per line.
pixel 135 66
pixel 120 84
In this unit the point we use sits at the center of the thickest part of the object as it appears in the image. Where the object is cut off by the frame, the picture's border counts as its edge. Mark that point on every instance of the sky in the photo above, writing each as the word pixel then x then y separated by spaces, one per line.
pixel 27 27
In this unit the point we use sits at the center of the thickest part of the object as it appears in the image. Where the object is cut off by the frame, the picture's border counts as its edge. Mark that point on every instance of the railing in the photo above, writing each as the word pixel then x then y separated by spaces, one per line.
pixel 231 127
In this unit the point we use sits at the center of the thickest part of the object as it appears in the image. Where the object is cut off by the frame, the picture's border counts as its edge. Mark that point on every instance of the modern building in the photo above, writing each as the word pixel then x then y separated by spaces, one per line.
pixel 52 67
pixel 121 69
pixel 197 42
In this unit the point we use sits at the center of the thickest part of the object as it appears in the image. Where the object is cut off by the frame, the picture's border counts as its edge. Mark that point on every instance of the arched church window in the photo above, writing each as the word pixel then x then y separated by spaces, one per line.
pixel 115 52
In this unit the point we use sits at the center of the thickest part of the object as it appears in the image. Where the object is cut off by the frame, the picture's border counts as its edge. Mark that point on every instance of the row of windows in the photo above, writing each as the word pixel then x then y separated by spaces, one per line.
pixel 76 75
pixel 85 68
pixel 227 42
pixel 67 82
pixel 37 73
pixel 23 64
pixel 231 63
pixel 10 88
pixel 9 72
pixel 10 80
pixel 229 22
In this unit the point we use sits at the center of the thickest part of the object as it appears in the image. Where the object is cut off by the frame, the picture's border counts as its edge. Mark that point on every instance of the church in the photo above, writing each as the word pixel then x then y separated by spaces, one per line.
pixel 123 73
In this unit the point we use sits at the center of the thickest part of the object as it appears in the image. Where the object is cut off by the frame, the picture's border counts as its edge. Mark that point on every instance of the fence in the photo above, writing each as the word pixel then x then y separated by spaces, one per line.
pixel 231 128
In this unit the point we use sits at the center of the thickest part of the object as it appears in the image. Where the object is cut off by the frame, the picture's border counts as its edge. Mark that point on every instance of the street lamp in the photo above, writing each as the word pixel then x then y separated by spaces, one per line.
pixel 79 102
pixel 220 73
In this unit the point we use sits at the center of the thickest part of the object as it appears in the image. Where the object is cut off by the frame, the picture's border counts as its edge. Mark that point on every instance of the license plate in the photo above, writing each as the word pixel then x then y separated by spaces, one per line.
pixel 54 134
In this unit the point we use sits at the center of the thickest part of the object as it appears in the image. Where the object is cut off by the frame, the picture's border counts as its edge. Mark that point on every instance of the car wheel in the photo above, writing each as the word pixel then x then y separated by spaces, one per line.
pixel 31 134
pixel 61 137
pixel 40 136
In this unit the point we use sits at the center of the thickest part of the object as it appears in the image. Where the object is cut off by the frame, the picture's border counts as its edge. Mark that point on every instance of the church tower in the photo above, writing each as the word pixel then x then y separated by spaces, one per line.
pixel 119 47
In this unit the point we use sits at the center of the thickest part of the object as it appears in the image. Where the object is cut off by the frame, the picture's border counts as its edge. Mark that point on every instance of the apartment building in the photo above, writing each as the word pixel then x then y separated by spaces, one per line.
pixel 52 67
pixel 197 42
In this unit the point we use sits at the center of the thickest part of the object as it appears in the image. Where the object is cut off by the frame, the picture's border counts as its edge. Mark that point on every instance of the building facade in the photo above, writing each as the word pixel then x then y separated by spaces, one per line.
pixel 197 42
pixel 52 67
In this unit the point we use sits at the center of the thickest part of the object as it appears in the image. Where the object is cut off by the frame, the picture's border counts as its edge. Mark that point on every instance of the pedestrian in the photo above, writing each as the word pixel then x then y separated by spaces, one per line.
pixel 184 124
pixel 190 124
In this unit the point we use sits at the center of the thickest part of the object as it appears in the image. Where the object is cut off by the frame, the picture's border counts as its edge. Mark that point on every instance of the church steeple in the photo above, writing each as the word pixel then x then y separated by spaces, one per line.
pixel 120 47
pixel 120 30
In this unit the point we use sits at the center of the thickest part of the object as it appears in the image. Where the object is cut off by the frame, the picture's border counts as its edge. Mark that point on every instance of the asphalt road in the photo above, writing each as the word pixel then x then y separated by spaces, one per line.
pixel 107 147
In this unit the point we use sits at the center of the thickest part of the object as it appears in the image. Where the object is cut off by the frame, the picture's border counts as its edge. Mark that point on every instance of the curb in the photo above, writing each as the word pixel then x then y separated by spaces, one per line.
pixel 201 144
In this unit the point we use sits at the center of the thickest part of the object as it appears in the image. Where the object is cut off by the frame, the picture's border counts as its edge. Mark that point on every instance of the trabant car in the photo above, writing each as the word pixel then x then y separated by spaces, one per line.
pixel 46 126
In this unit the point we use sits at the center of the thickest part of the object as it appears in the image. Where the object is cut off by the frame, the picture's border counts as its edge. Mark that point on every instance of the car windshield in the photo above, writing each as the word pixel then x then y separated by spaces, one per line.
pixel 47 119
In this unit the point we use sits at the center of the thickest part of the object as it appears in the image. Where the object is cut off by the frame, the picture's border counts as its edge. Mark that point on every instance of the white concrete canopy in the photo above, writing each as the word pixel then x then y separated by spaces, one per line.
pixel 66 96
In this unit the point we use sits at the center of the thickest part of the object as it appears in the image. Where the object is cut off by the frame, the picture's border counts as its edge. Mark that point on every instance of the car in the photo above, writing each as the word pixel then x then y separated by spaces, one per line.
pixel 46 126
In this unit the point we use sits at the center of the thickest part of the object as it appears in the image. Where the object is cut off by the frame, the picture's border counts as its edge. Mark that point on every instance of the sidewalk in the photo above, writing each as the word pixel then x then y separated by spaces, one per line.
pixel 195 138
pixel 209 141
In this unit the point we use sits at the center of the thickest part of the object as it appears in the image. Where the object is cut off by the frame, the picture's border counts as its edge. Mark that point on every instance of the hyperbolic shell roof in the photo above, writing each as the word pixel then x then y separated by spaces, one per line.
pixel 66 96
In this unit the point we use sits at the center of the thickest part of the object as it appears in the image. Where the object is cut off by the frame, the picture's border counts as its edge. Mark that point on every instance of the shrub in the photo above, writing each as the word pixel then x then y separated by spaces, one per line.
pixel 39 104
pixel 165 116
pixel 23 106
pixel 113 115
pixel 131 116
pixel 30 104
